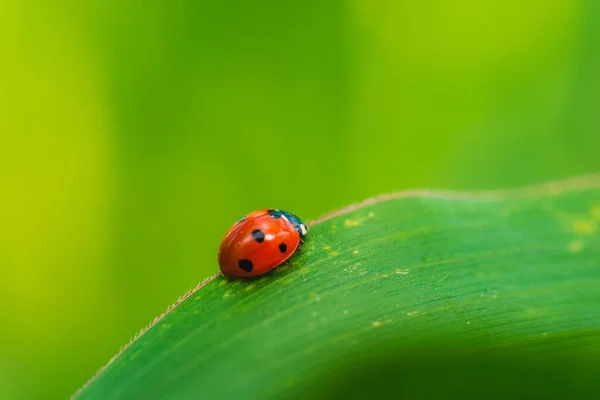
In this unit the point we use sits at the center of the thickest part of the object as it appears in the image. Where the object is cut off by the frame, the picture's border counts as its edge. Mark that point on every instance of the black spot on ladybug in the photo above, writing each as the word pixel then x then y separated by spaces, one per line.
pixel 258 235
pixel 275 213
pixel 283 247
pixel 246 265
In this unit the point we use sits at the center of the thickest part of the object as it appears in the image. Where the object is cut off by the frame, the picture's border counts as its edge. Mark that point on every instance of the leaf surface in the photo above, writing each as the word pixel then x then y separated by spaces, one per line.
pixel 488 288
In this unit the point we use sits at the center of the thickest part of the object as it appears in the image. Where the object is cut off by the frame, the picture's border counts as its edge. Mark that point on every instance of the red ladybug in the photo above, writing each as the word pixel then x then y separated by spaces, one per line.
pixel 260 242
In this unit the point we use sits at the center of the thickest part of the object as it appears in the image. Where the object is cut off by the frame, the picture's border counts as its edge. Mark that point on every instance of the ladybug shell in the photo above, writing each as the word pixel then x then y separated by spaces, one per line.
pixel 256 244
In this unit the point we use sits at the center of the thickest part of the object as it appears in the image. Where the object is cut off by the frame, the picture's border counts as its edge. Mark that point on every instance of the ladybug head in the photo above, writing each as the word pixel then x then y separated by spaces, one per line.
pixel 296 222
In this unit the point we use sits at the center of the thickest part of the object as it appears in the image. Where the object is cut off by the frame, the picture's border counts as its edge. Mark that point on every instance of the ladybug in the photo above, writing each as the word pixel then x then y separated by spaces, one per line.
pixel 259 242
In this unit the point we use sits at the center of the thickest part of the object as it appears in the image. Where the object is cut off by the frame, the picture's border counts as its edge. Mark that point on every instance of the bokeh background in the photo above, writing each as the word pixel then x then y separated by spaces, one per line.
pixel 132 134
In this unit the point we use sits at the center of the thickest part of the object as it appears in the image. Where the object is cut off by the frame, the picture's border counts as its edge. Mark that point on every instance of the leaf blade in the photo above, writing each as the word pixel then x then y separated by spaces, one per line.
pixel 489 270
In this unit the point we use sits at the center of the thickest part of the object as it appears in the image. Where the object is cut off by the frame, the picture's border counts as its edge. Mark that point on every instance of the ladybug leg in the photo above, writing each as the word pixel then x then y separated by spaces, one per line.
pixel 301 242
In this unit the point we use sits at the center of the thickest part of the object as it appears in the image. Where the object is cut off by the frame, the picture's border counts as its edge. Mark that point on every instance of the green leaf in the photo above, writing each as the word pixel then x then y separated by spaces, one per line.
pixel 417 292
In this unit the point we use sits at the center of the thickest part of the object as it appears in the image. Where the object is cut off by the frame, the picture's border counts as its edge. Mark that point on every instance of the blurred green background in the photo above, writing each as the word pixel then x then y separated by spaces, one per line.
pixel 132 134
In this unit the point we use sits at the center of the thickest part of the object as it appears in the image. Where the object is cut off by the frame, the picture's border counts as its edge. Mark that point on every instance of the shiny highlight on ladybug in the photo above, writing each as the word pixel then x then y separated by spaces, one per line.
pixel 260 242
